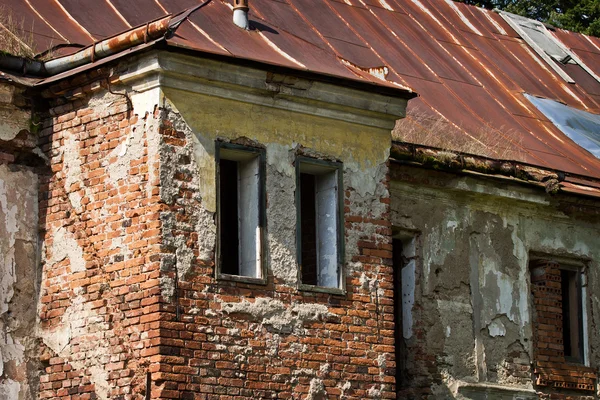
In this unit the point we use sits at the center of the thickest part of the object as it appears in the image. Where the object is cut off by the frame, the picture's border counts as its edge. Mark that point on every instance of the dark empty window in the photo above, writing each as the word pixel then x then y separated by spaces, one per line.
pixel 319 226
pixel 241 210
pixel 308 224
pixel 228 180
pixel 572 316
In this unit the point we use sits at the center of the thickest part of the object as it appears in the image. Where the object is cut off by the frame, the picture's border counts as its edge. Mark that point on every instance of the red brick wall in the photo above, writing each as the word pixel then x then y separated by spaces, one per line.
pixel 221 340
pixel 550 366
pixel 99 217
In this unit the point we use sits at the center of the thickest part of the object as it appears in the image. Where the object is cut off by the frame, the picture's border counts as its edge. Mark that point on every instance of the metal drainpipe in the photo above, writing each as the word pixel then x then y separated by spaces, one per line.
pixel 240 13
pixel 22 65
pixel 142 34
pixel 106 47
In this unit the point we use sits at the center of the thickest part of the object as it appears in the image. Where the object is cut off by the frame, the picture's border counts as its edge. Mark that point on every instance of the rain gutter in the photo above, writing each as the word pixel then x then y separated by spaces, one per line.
pixel 152 31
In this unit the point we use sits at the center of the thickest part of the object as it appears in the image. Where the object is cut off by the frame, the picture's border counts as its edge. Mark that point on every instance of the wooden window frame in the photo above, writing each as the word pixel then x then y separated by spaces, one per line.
pixel 262 211
pixel 340 235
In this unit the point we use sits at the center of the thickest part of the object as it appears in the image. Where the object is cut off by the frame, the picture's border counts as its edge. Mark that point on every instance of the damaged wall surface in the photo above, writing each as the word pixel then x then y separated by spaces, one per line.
pixel 472 323
pixel 19 272
pixel 273 340
pixel 99 210
pixel 130 303
pixel 18 282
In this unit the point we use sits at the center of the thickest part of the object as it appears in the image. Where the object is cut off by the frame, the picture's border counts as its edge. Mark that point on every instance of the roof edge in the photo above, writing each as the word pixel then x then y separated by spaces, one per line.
pixel 553 181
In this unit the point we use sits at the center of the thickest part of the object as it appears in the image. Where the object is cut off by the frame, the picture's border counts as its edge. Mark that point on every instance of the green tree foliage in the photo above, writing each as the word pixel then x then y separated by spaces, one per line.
pixel 575 15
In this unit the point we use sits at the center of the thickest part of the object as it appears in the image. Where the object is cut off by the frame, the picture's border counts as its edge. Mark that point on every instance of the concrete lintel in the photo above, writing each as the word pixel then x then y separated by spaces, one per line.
pixel 256 86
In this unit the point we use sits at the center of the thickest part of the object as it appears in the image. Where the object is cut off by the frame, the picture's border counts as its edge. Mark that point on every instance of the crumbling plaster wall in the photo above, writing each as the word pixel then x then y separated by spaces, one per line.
pixel 18 282
pixel 305 344
pixel 472 309
pixel 19 277
pixel 363 151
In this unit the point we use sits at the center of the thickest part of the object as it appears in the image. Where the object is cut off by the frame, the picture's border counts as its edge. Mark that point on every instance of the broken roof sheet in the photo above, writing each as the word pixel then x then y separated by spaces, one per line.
pixel 470 67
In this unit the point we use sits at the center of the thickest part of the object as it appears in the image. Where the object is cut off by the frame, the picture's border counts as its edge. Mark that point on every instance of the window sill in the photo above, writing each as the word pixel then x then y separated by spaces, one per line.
pixel 321 289
pixel 242 279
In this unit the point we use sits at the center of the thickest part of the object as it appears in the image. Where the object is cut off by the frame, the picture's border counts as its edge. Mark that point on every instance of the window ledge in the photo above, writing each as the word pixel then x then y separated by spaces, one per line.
pixel 242 279
pixel 321 289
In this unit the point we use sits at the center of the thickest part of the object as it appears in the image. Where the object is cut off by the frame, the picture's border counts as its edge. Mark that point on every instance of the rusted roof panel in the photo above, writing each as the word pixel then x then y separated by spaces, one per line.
pixel 66 28
pixel 580 189
pixel 428 50
pixel 284 17
pixel 588 83
pixel 392 51
pixel 468 65
pixel 99 19
pixel 432 22
pixel 138 12
pixel 29 25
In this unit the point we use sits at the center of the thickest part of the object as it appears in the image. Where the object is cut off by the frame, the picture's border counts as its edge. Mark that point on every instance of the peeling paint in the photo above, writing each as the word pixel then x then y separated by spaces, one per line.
pixel 12 121
pixel 64 246
pixel 280 131
pixel 496 328
pixel 72 170
pixel 478 314
pixel 132 148
pixel 78 320
pixel 18 265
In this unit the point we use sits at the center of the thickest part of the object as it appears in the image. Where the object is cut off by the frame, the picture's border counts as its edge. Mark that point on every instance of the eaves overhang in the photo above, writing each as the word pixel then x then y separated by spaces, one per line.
pixel 266 86
pixel 551 181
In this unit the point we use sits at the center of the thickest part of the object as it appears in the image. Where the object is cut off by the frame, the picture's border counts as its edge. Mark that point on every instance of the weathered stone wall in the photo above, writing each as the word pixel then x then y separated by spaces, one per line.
pixel 99 211
pixel 471 330
pixel 19 272
pixel 228 340
pixel 19 279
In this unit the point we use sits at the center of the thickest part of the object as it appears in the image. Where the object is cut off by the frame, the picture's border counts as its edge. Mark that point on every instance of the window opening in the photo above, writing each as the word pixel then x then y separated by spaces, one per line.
pixel 399 262
pixel 404 260
pixel 228 179
pixel 241 210
pixel 545 44
pixel 558 299
pixel 309 229
pixel 580 126
pixel 319 223
pixel 559 326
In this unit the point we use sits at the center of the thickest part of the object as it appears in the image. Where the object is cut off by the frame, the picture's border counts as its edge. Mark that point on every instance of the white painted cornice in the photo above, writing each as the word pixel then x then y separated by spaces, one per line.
pixel 257 86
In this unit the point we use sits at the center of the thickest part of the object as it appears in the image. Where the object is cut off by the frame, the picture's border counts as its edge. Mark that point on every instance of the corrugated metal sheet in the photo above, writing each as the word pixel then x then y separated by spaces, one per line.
pixel 468 65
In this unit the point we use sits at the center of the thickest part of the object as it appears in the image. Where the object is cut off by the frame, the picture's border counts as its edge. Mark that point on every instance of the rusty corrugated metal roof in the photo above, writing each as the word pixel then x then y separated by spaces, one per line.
pixel 468 65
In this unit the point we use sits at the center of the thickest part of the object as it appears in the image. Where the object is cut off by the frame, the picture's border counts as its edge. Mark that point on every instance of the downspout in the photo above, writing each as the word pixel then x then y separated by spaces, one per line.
pixel 21 65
